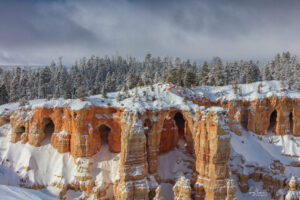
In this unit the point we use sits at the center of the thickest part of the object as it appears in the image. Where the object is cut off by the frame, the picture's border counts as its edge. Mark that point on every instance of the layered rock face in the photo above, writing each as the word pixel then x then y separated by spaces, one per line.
pixel 79 132
pixel 277 114
pixel 140 137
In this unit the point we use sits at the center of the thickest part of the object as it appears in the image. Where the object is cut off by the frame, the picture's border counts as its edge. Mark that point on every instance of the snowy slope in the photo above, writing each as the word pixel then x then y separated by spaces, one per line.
pixel 44 166
pixel 262 151
pixel 13 193
pixel 172 165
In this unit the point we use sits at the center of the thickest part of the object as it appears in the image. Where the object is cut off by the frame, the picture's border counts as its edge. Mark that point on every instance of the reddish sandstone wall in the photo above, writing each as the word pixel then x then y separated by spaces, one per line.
pixel 256 115
pixel 141 137
pixel 81 134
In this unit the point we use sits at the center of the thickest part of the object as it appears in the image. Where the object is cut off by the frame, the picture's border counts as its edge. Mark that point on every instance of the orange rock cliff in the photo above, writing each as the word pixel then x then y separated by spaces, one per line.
pixel 140 137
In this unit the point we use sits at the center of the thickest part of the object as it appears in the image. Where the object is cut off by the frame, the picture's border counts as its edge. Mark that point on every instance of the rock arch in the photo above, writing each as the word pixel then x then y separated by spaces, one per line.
pixel 104 131
pixel 180 123
pixel 19 130
pixel 291 122
pixel 17 133
pixel 175 127
pixel 48 129
pixel 175 133
pixel 108 134
pixel 244 120
pixel 48 126
pixel 273 121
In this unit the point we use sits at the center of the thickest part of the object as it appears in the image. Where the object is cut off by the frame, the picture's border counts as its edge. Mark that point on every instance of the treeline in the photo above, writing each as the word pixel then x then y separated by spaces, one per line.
pixel 100 75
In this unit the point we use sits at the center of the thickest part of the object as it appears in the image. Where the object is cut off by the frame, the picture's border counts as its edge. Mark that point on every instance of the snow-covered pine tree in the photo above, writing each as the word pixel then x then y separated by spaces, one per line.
pixel 103 92
pixel 23 85
pixel 204 74
pixel 251 71
pixel 296 76
pixel 62 81
pixel 81 91
pixel 67 94
pixel 190 79
pixel 266 73
pixel 44 83
pixel 3 95
pixel 131 80
pixel 180 76
pixel 157 77
pixel 216 74
pixel 14 86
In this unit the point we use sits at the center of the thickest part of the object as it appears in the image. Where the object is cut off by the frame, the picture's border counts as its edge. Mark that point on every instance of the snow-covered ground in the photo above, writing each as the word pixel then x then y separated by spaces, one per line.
pixel 17 193
pixel 172 165
pixel 262 151
pixel 44 166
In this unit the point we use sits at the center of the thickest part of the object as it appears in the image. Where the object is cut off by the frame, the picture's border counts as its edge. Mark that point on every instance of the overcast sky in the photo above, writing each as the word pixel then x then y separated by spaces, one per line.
pixel 37 31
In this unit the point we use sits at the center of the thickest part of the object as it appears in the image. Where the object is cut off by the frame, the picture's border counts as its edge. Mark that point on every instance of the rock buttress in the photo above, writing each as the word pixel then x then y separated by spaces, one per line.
pixel 212 149
pixel 133 183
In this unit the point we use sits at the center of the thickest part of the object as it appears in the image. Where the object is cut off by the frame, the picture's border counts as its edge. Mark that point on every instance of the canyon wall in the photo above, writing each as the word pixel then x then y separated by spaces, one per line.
pixel 141 137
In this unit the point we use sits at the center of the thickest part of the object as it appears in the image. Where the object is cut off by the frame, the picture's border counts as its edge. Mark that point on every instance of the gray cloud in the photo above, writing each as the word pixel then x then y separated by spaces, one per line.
pixel 37 31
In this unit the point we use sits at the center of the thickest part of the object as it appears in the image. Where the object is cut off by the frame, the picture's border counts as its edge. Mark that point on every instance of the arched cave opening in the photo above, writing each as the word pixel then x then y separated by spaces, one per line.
pixel 104 131
pixel 273 119
pixel 244 120
pixel 147 129
pixel 291 122
pixel 19 130
pixel 48 126
pixel 180 122
pixel 175 140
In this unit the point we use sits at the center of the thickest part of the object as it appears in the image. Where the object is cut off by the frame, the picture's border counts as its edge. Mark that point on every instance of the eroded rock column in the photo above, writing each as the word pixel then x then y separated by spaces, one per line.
pixel 133 183
pixel 212 148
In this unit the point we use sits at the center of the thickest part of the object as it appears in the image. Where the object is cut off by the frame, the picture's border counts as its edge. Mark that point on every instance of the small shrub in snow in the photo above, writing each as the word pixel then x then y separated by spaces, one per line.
pixel 152 88
pixel 104 93
pixel 270 88
pixel 282 86
pixel 185 99
pixel 23 102
pixel 271 140
pixel 147 97
pixel 153 98
pixel 240 91
pixel 260 85
pixel 119 97
pixel 235 87
pixel 259 137
pixel 136 94
pixel 49 97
